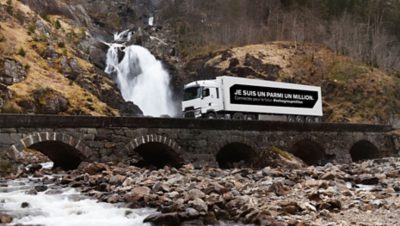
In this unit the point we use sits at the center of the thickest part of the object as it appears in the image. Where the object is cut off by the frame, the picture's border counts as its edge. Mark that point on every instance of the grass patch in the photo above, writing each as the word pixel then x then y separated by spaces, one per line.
pixel 281 152
pixel 344 71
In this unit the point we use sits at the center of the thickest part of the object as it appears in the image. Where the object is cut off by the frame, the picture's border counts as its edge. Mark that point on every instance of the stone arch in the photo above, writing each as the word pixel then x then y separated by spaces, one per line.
pixel 311 152
pixel 64 150
pixel 157 150
pixel 363 150
pixel 236 152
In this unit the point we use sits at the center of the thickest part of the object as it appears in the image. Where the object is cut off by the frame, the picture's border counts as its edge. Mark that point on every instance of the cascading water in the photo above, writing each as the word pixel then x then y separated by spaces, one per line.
pixel 140 76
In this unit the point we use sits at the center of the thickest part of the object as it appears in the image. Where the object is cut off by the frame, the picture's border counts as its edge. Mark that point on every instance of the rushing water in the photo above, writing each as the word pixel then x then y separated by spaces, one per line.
pixel 62 206
pixel 140 76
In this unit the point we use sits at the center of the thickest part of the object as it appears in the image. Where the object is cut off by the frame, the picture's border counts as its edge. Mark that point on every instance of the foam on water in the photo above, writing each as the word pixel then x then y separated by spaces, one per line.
pixel 69 208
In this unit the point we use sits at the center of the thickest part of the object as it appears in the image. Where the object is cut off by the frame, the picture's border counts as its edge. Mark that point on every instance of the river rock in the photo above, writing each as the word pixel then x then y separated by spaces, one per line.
pixel 290 208
pixel 92 168
pixel 40 188
pixel 279 189
pixel 196 194
pixel 5 218
pixel 138 193
pixel 25 205
pixel 199 205
pixel 163 219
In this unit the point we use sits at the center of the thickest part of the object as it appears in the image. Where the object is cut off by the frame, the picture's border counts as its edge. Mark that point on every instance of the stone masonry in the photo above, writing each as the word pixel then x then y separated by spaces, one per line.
pixel 193 140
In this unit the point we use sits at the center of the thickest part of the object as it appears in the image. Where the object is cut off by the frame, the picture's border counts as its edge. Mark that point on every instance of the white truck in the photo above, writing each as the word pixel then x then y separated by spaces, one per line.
pixel 251 99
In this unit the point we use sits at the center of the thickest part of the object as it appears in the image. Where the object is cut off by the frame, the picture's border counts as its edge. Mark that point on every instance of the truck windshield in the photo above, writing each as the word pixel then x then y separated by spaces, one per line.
pixel 192 93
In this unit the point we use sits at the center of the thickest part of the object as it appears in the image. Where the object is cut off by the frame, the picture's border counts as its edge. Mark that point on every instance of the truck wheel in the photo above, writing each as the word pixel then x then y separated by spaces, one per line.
pixel 238 116
pixel 310 119
pixel 299 118
pixel 211 115
pixel 291 118
pixel 250 117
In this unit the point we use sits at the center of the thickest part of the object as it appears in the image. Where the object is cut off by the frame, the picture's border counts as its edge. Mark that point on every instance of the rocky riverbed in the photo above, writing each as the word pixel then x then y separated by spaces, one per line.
pixel 365 193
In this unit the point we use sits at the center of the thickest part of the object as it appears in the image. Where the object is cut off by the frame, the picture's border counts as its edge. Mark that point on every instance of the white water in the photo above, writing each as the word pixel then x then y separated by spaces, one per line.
pixel 140 77
pixel 69 208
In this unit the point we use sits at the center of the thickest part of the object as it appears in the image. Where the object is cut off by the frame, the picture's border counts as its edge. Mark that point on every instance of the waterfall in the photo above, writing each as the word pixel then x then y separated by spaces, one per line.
pixel 140 76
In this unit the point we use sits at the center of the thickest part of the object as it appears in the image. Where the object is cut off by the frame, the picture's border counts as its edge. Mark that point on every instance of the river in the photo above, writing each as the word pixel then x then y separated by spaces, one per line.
pixel 61 206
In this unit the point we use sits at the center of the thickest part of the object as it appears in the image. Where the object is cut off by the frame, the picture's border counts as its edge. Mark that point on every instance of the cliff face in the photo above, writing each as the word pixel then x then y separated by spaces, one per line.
pixel 54 48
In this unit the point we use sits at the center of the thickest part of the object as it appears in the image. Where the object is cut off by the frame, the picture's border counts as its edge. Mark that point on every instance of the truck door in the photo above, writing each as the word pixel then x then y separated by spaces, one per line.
pixel 208 99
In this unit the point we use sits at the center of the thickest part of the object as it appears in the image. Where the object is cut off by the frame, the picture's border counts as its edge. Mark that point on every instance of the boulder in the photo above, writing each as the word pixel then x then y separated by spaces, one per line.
pixel 49 101
pixel 164 219
pixel 11 71
pixel 70 68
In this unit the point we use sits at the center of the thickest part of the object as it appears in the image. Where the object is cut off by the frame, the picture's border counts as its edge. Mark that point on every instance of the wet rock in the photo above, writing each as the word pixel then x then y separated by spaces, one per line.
pixel 5 218
pixel 164 219
pixel 11 71
pixel 25 205
pixel 53 192
pixel 40 188
pixel 33 168
pixel 31 192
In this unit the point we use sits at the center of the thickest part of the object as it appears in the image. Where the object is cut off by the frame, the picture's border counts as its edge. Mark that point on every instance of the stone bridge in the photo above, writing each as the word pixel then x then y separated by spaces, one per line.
pixel 68 140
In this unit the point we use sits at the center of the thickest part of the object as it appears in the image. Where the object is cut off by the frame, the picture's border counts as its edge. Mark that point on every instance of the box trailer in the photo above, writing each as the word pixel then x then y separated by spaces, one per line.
pixel 250 99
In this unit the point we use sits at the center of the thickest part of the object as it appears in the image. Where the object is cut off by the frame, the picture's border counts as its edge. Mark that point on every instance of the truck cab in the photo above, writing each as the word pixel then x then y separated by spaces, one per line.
pixel 202 99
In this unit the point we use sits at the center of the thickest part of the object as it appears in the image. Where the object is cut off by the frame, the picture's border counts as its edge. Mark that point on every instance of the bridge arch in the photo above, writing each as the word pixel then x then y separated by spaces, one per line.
pixel 363 150
pixel 157 150
pixel 311 152
pixel 236 151
pixel 64 150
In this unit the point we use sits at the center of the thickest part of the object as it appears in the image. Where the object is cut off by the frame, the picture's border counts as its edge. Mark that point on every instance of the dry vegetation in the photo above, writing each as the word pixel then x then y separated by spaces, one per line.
pixel 22 35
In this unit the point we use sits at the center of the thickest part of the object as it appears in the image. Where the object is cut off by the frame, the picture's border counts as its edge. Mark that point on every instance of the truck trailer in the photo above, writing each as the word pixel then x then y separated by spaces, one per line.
pixel 251 99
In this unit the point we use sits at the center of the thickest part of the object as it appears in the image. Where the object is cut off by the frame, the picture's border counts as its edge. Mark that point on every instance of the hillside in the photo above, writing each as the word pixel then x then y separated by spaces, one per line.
pixel 41 72
pixel 52 58
pixel 352 91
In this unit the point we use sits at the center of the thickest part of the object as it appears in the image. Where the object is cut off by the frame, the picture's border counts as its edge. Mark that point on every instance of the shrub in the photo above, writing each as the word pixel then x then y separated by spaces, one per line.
pixel 61 45
pixel 45 16
pixel 57 24
pixel 22 52
pixel 31 29
pixel 9 7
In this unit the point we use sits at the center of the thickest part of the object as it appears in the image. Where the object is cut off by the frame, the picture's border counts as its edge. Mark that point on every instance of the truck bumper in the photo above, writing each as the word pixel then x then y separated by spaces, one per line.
pixel 192 114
